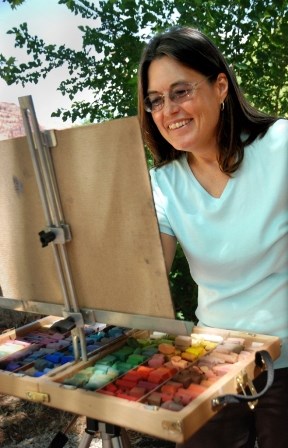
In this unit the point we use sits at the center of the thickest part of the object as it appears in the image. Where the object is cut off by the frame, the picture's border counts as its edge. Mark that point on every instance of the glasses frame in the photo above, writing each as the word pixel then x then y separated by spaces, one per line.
pixel 176 100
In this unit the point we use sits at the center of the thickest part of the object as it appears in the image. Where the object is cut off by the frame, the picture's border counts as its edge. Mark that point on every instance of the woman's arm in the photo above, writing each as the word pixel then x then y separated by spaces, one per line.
pixel 169 243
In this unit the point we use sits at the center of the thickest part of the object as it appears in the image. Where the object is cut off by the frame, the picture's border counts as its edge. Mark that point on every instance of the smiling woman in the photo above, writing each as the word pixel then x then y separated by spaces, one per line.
pixel 216 194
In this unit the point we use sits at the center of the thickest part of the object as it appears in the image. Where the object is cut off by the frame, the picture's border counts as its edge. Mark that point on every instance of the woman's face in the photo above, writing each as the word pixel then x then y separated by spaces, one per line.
pixel 190 125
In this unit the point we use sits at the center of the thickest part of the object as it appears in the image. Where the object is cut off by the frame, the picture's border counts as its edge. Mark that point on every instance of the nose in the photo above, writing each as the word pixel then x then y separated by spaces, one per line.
pixel 169 105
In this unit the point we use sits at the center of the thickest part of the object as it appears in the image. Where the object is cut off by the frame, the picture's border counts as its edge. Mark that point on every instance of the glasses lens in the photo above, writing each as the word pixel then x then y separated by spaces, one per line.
pixel 147 104
pixel 153 103
pixel 181 93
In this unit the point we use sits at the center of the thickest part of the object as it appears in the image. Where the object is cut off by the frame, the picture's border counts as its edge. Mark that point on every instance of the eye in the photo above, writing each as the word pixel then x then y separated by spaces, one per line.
pixel 156 101
pixel 181 91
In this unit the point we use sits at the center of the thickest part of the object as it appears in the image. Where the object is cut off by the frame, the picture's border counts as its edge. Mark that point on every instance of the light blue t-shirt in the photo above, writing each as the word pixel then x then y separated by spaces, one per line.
pixel 236 245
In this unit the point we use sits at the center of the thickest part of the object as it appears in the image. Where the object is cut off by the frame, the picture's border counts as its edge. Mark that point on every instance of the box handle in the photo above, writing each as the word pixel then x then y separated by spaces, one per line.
pixel 262 360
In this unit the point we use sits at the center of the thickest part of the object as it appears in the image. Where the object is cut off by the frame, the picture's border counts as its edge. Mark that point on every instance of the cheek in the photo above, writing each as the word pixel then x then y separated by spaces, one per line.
pixel 208 115
pixel 156 120
pixel 214 118
pixel 159 125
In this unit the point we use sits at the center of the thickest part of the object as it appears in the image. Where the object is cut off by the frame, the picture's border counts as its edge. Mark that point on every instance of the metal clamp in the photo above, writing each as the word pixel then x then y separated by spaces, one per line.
pixel 57 235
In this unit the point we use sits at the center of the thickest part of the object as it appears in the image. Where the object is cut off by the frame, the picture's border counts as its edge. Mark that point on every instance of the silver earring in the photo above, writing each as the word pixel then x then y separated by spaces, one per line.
pixel 222 106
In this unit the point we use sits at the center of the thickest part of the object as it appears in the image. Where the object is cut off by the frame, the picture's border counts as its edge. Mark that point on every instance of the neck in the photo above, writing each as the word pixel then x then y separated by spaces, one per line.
pixel 206 170
pixel 208 158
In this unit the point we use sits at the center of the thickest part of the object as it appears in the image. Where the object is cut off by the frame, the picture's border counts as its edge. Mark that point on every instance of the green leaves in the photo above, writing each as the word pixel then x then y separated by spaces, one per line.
pixel 14 3
pixel 84 8
pixel 183 289
pixel 252 36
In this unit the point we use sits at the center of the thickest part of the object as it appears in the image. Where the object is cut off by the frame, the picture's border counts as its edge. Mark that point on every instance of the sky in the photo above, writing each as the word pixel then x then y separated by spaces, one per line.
pixel 55 24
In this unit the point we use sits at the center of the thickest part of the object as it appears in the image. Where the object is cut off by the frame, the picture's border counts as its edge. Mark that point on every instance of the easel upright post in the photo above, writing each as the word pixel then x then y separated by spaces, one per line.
pixel 57 231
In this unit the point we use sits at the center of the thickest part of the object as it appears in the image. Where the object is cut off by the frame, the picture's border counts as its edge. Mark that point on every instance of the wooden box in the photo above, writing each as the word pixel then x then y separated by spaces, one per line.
pixel 139 415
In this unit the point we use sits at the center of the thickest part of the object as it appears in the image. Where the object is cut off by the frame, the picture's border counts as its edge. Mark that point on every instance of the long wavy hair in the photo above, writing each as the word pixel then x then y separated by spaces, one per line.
pixel 239 118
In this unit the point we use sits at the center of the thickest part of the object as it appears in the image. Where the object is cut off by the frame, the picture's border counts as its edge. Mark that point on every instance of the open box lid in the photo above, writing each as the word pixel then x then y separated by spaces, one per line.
pixel 115 252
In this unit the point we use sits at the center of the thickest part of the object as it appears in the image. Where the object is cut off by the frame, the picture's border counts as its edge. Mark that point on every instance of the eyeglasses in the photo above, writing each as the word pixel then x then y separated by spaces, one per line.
pixel 179 94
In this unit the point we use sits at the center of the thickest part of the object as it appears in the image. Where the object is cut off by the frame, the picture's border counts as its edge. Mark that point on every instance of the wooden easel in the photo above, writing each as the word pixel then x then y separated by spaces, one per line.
pixel 112 436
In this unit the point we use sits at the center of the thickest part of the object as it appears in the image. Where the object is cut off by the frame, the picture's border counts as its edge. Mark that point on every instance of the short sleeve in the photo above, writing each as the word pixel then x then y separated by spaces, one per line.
pixel 159 202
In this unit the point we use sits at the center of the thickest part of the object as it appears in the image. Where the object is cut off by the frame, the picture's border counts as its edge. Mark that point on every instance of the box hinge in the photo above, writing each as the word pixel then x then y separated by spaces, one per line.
pixel 37 397
pixel 244 384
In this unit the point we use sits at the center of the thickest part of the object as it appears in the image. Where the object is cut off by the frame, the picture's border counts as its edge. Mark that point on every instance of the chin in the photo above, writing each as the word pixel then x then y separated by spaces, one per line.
pixel 183 148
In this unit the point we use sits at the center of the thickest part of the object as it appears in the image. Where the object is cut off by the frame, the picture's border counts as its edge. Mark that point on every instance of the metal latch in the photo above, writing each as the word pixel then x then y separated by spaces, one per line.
pixel 244 383
pixel 37 397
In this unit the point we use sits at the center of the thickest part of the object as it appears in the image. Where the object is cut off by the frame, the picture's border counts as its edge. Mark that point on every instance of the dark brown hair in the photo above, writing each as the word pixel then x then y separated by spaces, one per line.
pixel 193 49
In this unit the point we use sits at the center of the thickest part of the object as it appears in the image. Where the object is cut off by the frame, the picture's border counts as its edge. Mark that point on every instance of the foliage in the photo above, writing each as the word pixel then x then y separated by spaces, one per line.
pixel 252 34
pixel 184 290
pixel 14 3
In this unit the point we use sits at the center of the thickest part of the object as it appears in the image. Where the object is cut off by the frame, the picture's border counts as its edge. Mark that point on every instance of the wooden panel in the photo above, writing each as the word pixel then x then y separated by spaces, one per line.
pixel 153 420
pixel 26 270
pixel 115 253
pixel 17 385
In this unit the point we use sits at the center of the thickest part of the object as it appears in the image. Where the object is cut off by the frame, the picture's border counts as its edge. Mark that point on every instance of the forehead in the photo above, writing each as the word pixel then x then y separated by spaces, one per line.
pixel 165 71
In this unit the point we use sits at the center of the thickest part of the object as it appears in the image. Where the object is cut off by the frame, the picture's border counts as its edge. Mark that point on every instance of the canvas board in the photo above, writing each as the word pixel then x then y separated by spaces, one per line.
pixel 115 253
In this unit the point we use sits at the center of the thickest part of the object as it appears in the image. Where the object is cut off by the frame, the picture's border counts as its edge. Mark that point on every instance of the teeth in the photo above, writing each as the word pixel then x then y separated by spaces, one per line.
pixel 179 124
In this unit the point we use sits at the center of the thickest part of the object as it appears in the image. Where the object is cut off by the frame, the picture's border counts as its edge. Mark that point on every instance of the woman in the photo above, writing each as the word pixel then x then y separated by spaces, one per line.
pixel 220 190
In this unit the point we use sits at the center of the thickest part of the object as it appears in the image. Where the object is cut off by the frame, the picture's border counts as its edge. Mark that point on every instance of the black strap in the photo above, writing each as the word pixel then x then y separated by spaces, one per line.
pixel 262 358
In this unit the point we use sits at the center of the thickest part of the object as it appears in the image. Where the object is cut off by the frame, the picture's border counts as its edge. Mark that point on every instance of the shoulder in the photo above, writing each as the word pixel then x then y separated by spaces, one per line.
pixel 281 124
pixel 169 171
pixel 274 140
pixel 278 132
pixel 171 179
pixel 270 150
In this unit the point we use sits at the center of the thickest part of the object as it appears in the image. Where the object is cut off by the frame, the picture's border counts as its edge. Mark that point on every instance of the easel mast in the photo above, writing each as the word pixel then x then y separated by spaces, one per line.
pixel 57 231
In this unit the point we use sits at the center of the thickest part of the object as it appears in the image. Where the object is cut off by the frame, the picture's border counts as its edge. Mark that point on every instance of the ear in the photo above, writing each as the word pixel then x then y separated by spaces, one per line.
pixel 222 85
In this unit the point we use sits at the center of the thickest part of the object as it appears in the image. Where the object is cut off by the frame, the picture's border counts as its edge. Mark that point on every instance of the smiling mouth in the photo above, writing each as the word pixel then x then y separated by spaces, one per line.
pixel 179 124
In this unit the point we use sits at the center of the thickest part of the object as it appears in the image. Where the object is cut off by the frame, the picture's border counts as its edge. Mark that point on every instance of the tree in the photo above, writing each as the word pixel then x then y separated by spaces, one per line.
pixel 14 3
pixel 251 34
